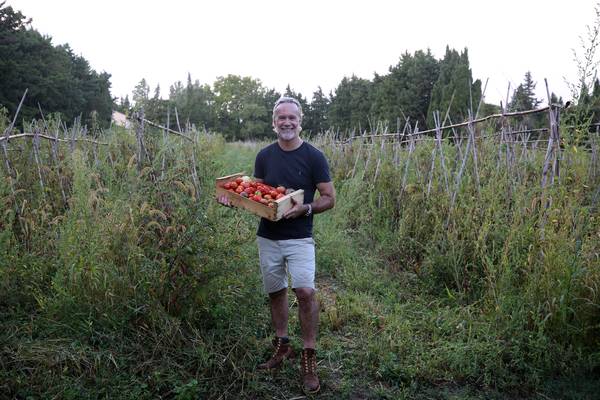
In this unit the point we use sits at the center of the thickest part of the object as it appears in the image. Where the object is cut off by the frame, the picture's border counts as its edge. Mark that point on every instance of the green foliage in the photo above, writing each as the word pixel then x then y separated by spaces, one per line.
pixel 240 107
pixel 243 107
pixel 406 91
pixel 141 286
pixel 194 104
pixel 523 97
pixel 57 79
pixel 454 89
pixel 315 115
pixel 351 105
pixel 523 275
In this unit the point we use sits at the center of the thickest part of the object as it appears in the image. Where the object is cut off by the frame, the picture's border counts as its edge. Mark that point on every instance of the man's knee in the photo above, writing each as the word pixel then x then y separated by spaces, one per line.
pixel 305 294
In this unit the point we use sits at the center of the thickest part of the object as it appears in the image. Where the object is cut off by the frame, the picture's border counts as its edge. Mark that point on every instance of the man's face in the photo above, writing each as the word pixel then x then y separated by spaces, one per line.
pixel 286 121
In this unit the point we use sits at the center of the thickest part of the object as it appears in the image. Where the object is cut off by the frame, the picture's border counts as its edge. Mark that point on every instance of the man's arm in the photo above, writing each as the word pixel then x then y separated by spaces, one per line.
pixel 326 199
pixel 324 202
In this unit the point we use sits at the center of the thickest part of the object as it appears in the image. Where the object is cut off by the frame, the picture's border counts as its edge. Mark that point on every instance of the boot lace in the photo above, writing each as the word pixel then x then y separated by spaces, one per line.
pixel 309 363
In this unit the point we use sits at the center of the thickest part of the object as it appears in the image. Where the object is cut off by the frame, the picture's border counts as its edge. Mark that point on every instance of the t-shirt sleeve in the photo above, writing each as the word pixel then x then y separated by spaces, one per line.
pixel 321 168
pixel 259 165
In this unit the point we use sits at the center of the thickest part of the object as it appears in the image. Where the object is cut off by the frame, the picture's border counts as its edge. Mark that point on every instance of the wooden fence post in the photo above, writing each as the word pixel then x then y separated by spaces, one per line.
pixel 165 143
pixel 54 144
pixel 36 144
pixel 139 134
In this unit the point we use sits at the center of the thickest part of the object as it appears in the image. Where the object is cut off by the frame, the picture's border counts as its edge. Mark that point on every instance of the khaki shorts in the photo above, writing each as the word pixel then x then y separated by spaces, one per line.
pixel 278 257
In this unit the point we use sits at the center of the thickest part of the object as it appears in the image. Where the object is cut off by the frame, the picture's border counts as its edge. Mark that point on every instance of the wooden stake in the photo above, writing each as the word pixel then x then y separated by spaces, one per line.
pixel 54 144
pixel 440 148
pixel 162 168
pixel 36 143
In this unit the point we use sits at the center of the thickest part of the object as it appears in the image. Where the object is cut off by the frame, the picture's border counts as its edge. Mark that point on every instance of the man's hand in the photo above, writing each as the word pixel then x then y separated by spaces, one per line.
pixel 224 201
pixel 296 211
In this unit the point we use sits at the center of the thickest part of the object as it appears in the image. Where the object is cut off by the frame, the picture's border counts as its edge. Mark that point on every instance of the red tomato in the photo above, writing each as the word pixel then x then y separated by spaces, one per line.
pixel 233 184
pixel 264 201
pixel 268 197
pixel 280 189
pixel 279 195
pixel 256 198
pixel 273 193
pixel 246 184
pixel 239 189
pixel 238 180
pixel 249 190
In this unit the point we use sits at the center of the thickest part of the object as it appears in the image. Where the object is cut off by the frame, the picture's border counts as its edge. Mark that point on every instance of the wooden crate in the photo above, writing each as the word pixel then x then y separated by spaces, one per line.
pixel 271 213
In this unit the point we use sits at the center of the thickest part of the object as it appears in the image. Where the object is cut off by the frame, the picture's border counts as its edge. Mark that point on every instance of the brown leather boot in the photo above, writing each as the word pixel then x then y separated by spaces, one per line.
pixel 282 351
pixel 308 370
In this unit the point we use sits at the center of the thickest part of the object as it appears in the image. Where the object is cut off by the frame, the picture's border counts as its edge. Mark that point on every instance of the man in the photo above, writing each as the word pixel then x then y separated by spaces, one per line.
pixel 293 163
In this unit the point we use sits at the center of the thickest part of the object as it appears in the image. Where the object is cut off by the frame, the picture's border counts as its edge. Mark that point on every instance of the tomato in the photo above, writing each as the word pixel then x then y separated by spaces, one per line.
pixel 280 189
pixel 238 180
pixel 246 184
pixel 279 195
pixel 256 198
pixel 273 193
pixel 227 186
pixel 239 189
pixel 268 197
pixel 249 190
pixel 264 201
pixel 231 190
pixel 233 184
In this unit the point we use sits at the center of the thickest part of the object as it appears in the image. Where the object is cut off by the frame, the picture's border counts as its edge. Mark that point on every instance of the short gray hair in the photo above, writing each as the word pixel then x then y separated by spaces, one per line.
pixel 285 99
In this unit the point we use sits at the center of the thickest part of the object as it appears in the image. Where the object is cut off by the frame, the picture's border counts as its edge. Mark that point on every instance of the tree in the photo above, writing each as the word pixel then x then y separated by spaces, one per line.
pixel 194 103
pixel 523 97
pixel 57 80
pixel 123 105
pixel 315 116
pixel 595 102
pixel 406 90
pixel 454 88
pixel 140 95
pixel 241 107
pixel 351 105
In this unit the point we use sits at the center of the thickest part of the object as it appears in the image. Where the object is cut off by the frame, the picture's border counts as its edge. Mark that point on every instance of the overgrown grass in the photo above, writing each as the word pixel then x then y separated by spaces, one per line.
pixel 140 286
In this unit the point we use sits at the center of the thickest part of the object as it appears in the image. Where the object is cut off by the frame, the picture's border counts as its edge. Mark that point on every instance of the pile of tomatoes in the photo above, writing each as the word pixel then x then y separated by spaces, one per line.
pixel 256 191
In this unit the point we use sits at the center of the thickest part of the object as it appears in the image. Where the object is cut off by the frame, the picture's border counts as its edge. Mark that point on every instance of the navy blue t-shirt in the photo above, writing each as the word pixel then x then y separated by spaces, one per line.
pixel 301 168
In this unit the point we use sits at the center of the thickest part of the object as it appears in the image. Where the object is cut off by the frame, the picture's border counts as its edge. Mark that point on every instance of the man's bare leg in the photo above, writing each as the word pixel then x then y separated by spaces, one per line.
pixel 279 316
pixel 308 311
pixel 279 312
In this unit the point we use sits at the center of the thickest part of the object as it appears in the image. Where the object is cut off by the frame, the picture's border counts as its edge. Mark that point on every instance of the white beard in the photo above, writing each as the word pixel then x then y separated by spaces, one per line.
pixel 287 134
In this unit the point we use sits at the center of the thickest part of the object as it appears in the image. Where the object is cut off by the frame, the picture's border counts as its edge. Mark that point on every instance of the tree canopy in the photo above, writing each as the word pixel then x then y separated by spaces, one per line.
pixel 57 80
pixel 240 107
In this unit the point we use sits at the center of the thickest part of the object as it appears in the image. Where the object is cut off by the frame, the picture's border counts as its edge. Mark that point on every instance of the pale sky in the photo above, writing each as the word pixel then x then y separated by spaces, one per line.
pixel 309 43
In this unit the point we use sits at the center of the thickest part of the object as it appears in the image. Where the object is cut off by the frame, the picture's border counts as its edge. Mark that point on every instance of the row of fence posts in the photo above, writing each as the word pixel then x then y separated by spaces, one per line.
pixel 408 138
pixel 509 141
pixel 78 133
